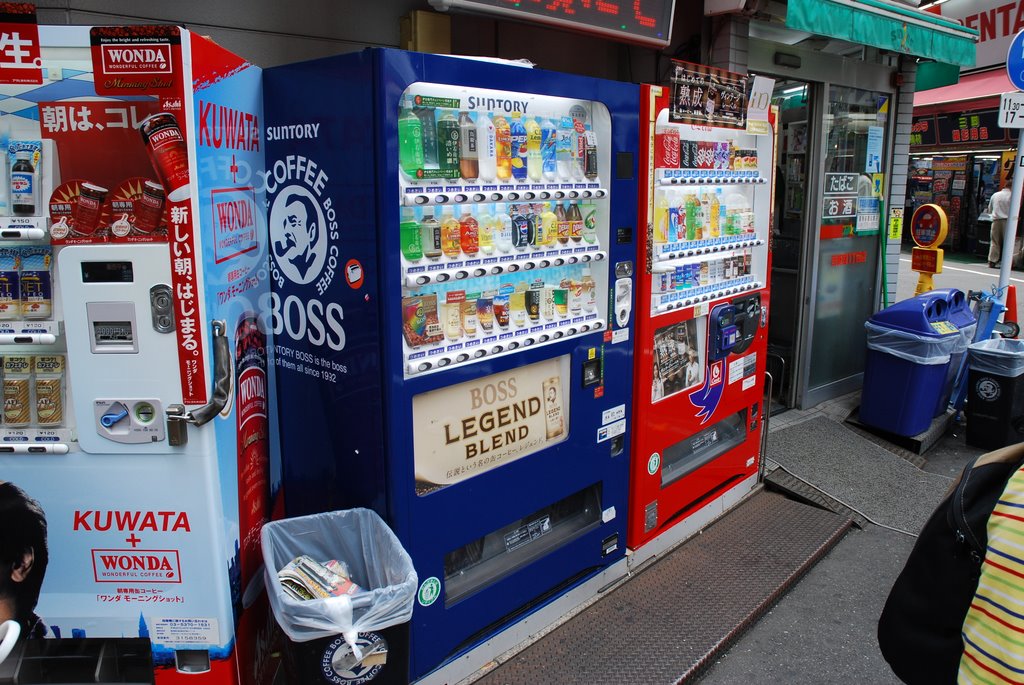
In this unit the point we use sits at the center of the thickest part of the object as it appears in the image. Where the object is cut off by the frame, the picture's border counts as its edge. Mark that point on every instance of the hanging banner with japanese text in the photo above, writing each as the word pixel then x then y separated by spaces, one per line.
pixel 19 44
pixel 706 96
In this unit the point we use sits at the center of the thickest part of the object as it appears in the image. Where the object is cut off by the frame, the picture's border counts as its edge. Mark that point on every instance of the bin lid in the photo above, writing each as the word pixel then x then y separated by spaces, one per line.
pixel 960 314
pixel 926 315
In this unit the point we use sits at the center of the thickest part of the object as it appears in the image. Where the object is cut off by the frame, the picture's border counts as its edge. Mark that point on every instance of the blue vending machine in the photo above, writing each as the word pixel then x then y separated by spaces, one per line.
pixel 453 246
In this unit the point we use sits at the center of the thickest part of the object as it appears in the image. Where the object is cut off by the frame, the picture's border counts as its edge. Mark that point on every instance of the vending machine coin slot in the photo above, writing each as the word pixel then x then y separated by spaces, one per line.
pixel 591 372
pixel 162 308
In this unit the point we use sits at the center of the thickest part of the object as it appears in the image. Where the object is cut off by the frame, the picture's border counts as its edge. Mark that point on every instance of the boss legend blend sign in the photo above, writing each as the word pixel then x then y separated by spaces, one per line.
pixel 648 22
pixel 466 429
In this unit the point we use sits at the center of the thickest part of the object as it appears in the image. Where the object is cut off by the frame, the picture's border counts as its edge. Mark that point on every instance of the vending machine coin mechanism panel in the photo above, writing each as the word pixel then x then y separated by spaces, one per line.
pixel 114 349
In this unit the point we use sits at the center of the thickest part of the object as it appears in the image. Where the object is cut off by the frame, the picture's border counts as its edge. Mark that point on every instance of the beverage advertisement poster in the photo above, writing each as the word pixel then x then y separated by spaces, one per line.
pixel 678 359
pixel 467 429
pixel 19 44
pixel 706 96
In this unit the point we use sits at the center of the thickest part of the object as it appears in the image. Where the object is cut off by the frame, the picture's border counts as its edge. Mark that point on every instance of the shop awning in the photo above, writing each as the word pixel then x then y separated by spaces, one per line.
pixel 971 87
pixel 888 26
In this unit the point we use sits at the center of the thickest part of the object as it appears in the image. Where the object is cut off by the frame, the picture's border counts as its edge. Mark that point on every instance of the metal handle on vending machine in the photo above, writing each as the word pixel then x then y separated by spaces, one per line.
pixel 178 418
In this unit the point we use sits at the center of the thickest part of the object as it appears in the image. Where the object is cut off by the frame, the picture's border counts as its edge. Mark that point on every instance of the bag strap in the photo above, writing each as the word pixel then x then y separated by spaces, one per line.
pixel 1012 455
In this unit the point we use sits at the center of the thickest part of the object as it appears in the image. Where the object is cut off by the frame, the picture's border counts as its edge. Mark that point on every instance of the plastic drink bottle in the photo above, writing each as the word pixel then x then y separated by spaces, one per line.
pixel 575 222
pixel 562 222
pixel 430 237
pixel 520 228
pixel 590 225
pixel 532 227
pixel 502 228
pixel 720 201
pixel 694 227
pixel 534 163
pixel 589 290
pixel 548 142
pixel 549 221
pixel 486 147
pixel 662 216
pixel 519 154
pixel 579 149
pixel 503 148
pixel 486 223
pixel 448 135
pixel 469 159
pixel 713 210
pixel 409 235
pixel 589 153
pixel 410 141
pixel 469 233
pixel 565 148
pixel 451 234
pixel 429 124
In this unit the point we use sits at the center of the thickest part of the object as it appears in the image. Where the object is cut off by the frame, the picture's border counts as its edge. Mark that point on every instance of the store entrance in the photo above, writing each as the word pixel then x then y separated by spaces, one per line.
pixel 789 231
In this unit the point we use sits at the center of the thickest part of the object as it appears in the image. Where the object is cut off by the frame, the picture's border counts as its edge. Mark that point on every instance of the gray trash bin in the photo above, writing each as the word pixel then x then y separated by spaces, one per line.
pixel 995 387
pixel 359 638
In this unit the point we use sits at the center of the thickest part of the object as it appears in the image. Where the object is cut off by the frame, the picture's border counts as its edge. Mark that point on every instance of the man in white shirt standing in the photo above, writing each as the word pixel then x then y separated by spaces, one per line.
pixel 999 209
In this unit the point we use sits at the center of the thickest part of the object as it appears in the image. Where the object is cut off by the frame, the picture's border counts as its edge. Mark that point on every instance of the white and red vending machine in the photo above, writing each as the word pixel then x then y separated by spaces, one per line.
pixel 135 440
pixel 702 297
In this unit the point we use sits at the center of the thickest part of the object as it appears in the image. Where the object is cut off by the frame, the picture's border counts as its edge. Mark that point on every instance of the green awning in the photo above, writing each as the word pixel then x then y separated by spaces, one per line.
pixel 887 26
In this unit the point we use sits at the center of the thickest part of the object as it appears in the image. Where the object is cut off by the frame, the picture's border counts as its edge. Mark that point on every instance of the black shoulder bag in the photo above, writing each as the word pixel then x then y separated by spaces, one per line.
pixel 919 631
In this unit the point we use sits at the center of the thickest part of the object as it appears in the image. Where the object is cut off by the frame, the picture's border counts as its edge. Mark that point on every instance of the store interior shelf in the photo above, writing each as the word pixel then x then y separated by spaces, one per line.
pixel 671 252
pixel 666 302
pixel 499 343
pixel 438 195
pixel 23 228
pixel 493 265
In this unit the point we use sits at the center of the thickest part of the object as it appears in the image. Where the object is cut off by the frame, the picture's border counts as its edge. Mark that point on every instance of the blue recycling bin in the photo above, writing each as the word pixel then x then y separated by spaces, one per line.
pixel 908 354
pixel 960 315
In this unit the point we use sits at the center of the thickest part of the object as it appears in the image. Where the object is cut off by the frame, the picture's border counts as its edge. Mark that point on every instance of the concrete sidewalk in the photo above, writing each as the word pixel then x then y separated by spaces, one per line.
pixel 823 630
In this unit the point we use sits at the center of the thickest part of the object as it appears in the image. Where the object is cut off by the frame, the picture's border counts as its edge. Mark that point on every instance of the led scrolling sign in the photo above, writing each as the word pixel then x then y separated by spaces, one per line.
pixel 638 21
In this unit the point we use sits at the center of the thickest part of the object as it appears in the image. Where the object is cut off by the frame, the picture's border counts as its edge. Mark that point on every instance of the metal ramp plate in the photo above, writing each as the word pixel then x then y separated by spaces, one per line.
pixel 668 623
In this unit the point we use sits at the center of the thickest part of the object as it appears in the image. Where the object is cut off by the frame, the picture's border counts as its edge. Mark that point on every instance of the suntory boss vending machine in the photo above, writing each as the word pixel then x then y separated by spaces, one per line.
pixel 702 302
pixel 452 248
pixel 136 416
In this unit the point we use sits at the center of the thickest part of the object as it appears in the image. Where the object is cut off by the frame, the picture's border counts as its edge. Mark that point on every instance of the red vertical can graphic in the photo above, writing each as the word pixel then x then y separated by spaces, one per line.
pixel 666 148
pixel 251 404
pixel 149 208
pixel 167 152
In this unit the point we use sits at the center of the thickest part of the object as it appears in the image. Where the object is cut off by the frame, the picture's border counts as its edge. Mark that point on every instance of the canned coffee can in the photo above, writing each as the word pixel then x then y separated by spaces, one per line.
pixel 167 152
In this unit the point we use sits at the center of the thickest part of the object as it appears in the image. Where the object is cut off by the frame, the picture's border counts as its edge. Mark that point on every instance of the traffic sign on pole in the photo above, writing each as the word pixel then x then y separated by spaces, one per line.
pixel 1015 61
pixel 1011 110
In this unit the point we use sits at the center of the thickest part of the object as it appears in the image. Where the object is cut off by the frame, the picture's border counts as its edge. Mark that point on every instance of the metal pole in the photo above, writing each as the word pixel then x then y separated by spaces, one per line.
pixel 1010 233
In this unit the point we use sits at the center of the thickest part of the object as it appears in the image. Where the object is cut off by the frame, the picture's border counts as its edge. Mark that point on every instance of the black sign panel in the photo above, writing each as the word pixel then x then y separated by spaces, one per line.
pixel 969 127
pixel 922 131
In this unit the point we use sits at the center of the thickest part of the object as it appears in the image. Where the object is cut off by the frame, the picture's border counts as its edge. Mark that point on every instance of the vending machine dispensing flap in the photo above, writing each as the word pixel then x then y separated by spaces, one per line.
pixel 177 417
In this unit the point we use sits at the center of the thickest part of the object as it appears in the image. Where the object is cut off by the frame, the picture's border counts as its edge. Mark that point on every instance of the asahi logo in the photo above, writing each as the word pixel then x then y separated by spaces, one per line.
pixel 136 565
pixel 143 58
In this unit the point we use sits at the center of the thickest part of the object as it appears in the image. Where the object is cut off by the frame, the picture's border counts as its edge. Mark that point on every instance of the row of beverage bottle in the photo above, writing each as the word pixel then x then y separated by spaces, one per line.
pixel 672 152
pixel 686 215
pixel 433 143
pixel 667 279
pixel 499 228
pixel 427 321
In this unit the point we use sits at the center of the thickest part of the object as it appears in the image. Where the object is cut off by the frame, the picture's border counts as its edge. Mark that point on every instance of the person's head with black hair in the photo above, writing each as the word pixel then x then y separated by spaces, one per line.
pixel 23 557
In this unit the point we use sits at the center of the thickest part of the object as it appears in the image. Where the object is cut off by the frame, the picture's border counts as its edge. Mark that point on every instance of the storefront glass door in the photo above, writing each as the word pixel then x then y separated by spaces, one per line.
pixel 848 216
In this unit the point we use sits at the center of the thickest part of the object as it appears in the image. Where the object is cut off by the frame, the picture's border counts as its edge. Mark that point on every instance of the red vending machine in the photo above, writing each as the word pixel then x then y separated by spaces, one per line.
pixel 702 301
